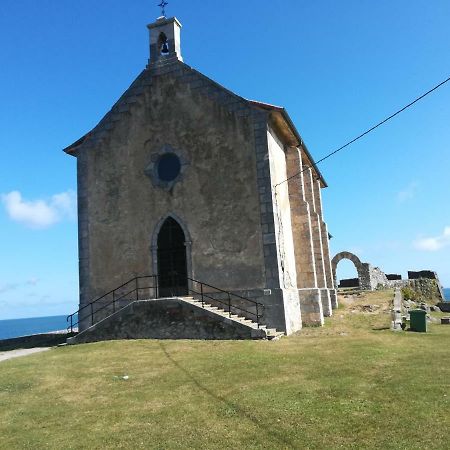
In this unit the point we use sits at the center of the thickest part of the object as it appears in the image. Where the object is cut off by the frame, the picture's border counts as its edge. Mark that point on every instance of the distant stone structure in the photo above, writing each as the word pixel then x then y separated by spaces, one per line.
pixel 186 180
pixel 393 276
pixel 397 309
pixel 422 274
pixel 349 283
pixel 371 278
pixel 429 275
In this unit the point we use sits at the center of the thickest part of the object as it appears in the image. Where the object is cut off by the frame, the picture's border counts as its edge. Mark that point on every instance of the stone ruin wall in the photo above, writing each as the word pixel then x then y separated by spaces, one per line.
pixel 376 277
pixel 425 288
pixel 425 283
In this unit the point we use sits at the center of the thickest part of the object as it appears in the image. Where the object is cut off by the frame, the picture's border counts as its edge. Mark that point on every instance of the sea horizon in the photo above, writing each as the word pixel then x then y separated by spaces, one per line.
pixel 11 328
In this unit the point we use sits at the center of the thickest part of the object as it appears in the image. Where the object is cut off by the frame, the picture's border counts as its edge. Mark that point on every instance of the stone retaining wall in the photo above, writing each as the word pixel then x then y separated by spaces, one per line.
pixel 165 319
pixel 35 340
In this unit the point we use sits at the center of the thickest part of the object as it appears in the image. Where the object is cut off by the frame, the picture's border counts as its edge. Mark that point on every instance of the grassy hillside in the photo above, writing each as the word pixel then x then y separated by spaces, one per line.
pixel 351 384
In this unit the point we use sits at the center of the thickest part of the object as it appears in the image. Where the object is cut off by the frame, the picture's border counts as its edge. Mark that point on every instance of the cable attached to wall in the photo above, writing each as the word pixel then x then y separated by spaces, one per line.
pixel 277 210
pixel 314 164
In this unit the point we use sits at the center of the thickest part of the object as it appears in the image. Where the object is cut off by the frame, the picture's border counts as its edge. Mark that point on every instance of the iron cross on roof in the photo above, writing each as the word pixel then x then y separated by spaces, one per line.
pixel 163 5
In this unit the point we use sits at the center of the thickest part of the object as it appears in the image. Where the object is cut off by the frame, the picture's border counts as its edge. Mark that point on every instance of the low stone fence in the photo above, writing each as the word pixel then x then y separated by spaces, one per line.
pixel 35 340
pixel 349 283
pixel 444 306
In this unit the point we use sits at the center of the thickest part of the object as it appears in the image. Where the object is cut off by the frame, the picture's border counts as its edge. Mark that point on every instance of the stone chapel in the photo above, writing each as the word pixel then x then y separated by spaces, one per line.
pixel 184 180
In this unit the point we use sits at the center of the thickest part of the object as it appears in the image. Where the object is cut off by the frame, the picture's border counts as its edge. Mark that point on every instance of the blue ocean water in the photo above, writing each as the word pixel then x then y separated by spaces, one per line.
pixel 24 327
pixel 447 294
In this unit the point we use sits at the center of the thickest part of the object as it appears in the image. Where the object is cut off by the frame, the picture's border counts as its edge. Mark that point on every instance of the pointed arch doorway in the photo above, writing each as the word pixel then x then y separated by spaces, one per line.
pixel 172 259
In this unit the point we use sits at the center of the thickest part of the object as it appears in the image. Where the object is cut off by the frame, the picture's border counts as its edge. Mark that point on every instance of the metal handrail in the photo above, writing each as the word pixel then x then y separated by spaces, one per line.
pixel 111 292
pixel 259 306
pixel 155 286
pixel 228 304
pixel 70 318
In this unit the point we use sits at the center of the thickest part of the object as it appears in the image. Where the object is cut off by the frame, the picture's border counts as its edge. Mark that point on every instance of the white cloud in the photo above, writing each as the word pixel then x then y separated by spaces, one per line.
pixel 408 193
pixel 40 213
pixel 433 244
pixel 8 287
pixel 66 203
pixel 33 281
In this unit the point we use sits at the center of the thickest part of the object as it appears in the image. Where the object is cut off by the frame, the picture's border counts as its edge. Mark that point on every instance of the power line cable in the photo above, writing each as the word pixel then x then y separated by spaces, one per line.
pixel 366 132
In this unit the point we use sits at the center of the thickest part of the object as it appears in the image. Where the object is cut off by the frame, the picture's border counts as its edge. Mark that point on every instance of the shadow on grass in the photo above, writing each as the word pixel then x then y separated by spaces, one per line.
pixel 265 427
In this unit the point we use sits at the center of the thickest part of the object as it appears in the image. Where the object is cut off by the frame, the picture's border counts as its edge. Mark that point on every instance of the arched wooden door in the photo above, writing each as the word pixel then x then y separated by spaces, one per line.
pixel 172 266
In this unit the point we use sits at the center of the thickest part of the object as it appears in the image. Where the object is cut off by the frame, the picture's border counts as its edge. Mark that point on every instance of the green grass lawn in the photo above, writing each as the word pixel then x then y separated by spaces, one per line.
pixel 350 384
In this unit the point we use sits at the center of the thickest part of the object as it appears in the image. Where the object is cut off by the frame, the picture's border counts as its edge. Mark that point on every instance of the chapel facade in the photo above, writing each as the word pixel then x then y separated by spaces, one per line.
pixel 184 177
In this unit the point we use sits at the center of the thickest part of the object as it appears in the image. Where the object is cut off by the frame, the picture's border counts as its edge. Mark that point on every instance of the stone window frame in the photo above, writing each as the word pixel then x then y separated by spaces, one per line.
pixel 152 168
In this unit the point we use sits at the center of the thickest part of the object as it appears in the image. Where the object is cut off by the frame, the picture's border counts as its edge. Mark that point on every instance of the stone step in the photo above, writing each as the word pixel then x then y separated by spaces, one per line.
pixel 213 308
pixel 274 337
pixel 265 333
pixel 271 333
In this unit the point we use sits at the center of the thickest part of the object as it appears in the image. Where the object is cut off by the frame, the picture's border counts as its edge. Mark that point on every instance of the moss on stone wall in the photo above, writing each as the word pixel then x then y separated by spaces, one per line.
pixel 423 290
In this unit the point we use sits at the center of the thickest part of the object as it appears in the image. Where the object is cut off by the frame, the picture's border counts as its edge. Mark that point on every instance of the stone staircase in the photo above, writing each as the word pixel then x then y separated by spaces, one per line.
pixel 270 333
pixel 173 318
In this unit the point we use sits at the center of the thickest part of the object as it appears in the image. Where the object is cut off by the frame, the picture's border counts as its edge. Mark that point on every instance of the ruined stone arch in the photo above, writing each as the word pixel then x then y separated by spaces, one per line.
pixel 370 277
pixel 354 259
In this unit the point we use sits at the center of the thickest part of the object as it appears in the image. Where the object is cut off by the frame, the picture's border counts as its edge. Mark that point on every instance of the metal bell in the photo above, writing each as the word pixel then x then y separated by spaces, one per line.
pixel 165 49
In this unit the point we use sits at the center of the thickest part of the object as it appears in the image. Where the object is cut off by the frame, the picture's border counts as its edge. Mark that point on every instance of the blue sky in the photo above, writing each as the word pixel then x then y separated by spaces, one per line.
pixel 338 68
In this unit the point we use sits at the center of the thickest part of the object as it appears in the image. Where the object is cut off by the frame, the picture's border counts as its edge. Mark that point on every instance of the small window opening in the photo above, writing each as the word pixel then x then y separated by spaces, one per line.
pixel 169 167
pixel 163 45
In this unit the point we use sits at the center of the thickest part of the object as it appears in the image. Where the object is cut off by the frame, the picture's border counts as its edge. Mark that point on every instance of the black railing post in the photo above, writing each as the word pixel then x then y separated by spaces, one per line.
pixel 260 308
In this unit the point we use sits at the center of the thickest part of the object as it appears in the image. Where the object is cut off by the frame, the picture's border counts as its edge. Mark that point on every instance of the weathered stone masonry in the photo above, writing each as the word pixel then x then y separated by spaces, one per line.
pixel 310 299
pixel 242 233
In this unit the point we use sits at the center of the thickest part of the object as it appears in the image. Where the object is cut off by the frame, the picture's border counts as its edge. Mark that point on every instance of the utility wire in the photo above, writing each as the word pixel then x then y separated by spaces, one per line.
pixel 367 132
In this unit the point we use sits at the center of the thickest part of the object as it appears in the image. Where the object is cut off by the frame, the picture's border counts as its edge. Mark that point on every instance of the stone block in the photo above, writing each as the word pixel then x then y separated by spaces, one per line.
pixel 326 302
pixel 311 307
pixel 269 238
pixel 334 299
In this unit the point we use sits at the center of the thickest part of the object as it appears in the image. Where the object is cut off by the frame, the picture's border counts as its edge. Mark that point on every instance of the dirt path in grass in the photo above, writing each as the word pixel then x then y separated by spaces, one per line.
pixel 23 352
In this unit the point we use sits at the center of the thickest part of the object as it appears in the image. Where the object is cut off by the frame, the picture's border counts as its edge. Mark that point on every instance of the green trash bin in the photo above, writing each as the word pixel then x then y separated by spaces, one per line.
pixel 418 320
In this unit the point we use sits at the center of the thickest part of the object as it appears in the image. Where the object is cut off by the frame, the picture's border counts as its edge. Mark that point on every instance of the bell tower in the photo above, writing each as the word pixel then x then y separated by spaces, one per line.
pixel 165 37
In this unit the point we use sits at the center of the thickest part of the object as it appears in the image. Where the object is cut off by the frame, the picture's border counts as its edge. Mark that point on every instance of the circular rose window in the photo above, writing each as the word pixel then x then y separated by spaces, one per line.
pixel 168 167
